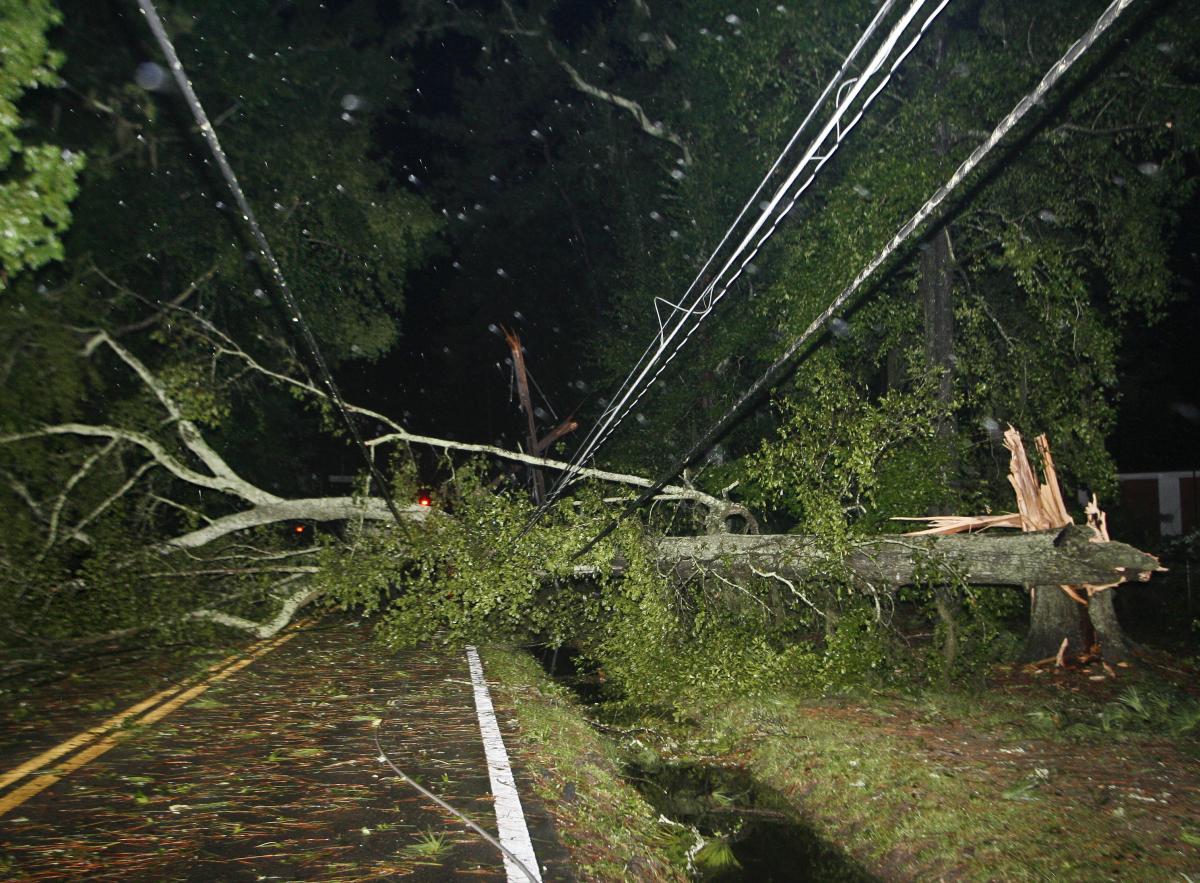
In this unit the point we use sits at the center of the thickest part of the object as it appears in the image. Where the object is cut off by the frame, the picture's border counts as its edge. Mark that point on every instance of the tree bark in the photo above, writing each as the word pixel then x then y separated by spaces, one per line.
pixel 1053 617
pixel 1113 644
pixel 1053 557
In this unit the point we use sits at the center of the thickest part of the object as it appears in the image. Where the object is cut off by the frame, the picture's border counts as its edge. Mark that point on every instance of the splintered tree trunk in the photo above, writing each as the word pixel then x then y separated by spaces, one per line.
pixel 1053 616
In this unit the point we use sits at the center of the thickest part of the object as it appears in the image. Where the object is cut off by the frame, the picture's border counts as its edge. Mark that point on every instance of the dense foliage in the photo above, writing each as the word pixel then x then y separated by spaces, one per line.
pixel 37 180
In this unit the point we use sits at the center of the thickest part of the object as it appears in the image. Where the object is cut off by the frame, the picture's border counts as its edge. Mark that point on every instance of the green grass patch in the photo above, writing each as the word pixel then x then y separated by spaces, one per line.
pixel 610 832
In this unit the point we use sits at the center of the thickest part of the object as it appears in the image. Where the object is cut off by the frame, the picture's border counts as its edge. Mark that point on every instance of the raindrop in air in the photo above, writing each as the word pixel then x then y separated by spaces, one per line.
pixel 494 328
pixel 1048 217
pixel 1149 169
pixel 152 77
pixel 352 102
pixel 501 272
pixel 678 174
pixel 839 328
pixel 518 316
pixel 655 216
pixel 862 191
pixel 641 419
pixel 732 19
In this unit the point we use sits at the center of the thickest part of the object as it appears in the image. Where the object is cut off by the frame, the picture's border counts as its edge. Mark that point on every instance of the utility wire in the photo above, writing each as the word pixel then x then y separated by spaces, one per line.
pixel 812 112
pixel 275 273
pixel 168 49
pixel 787 360
pixel 382 756
pixel 632 393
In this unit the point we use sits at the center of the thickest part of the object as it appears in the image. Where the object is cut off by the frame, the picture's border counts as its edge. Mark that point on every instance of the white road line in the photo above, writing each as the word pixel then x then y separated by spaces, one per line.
pixel 510 818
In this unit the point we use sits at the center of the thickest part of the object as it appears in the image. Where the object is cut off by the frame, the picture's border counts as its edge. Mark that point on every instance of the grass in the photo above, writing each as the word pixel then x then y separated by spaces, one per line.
pixel 976 787
pixel 610 832
pixel 430 844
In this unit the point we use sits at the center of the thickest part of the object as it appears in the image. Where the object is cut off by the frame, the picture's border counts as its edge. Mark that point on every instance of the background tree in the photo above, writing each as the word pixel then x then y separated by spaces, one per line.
pixel 37 181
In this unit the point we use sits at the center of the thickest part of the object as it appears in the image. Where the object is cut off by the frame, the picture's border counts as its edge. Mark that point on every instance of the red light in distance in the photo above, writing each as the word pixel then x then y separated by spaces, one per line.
pixel 424 500
pixel 299 528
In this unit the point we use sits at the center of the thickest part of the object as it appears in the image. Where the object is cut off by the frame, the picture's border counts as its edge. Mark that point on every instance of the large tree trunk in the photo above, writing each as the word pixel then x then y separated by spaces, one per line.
pixel 1053 557
pixel 1054 617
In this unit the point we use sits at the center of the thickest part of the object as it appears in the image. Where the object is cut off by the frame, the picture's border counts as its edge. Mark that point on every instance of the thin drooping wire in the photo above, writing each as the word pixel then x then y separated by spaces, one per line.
pixel 787 360
pixel 444 805
pixel 275 272
pixel 712 295
pixel 715 296
pixel 833 83
pixel 620 406
pixel 185 86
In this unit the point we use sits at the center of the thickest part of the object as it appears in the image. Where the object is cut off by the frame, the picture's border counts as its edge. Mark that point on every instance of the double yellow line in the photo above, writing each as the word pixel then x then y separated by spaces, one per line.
pixel 107 734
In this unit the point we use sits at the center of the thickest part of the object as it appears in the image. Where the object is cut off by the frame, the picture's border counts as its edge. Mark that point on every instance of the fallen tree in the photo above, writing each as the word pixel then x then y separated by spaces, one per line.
pixel 211 547
pixel 885 563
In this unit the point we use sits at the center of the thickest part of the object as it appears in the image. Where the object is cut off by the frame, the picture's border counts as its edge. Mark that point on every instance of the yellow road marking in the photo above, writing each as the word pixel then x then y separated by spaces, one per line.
pixel 218 672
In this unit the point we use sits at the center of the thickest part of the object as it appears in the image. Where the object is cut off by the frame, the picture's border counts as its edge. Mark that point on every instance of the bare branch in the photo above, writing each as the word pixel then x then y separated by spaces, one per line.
pixel 311 509
pixel 236 487
pixel 650 127
pixel 673 492
pixel 61 501
pixel 192 438
pixel 76 531
pixel 300 598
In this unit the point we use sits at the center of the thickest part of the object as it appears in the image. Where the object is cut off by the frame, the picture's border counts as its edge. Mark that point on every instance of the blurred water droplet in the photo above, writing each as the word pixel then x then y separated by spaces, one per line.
pixel 862 191
pixel 732 19
pixel 840 328
pixel 641 419
pixel 152 77
pixel 1149 169
pixel 518 316
pixel 1048 217
pixel 678 174
pixel 352 102
pixel 500 271
pixel 655 216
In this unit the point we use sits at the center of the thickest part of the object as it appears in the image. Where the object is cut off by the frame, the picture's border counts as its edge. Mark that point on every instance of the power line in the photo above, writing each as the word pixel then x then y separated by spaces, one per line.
pixel 787 360
pixel 275 272
pixel 168 49
pixel 632 392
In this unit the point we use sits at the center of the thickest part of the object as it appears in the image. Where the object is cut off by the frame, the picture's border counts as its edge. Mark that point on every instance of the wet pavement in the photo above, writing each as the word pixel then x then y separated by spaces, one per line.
pixel 273 774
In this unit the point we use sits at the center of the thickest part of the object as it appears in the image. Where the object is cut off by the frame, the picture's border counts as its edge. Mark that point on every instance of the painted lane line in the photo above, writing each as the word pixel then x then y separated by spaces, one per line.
pixel 92 733
pixel 35 786
pixel 510 818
